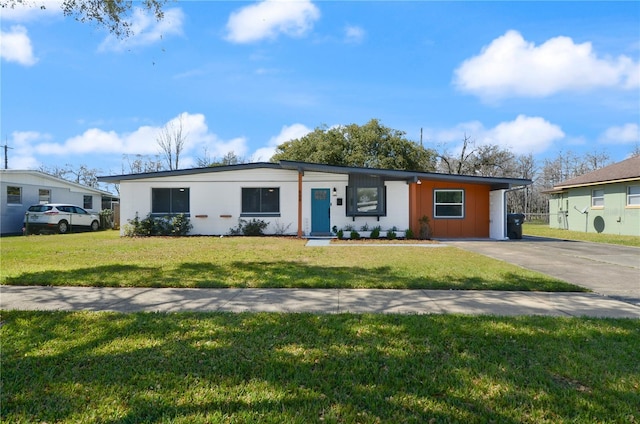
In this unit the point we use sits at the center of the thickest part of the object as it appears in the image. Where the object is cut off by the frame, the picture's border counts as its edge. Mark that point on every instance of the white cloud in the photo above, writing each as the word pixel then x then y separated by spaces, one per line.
pixel 146 30
pixel 21 155
pixel 510 66
pixel 143 141
pixel 269 18
pixel 354 34
pixel 523 135
pixel 15 46
pixel 28 11
pixel 628 133
pixel 287 133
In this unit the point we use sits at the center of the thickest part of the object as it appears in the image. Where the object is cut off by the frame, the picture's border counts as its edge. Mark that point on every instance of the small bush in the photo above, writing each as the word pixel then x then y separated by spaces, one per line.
pixel 425 228
pixel 408 234
pixel 355 235
pixel 375 232
pixel 340 234
pixel 255 227
pixel 391 234
pixel 178 225
pixel 365 227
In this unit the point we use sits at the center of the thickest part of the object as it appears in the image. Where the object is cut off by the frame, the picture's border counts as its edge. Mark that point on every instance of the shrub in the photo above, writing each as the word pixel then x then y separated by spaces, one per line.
pixel 340 234
pixel 425 228
pixel 280 229
pixel 365 227
pixel 391 234
pixel 408 234
pixel 178 225
pixel 375 232
pixel 355 235
pixel 255 227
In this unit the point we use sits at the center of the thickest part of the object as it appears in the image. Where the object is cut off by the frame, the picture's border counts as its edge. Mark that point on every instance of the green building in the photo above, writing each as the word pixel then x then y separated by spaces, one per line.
pixel 604 201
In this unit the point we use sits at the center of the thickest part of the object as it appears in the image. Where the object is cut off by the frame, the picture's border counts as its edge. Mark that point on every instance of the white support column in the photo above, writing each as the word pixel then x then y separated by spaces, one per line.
pixel 497 215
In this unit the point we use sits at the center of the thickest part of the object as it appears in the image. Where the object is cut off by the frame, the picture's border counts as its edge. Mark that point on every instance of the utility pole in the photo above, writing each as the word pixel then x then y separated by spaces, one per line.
pixel 6 154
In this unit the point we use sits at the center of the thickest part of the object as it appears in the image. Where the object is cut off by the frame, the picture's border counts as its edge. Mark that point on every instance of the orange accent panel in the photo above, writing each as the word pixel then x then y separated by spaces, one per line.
pixel 476 210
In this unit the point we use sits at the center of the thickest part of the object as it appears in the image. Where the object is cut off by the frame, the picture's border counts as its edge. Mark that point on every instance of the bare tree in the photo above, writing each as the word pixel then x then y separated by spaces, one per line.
pixel 171 140
pixel 138 164
pixel 80 175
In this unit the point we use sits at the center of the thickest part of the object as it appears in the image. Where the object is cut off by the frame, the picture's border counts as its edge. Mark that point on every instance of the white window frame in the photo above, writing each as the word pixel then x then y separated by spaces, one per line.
pixel 633 199
pixel 436 204
pixel 11 198
pixel 597 199
pixel 44 196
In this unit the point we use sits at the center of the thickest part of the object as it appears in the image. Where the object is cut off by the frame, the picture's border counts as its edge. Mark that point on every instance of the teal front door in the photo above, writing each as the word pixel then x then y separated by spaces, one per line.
pixel 320 211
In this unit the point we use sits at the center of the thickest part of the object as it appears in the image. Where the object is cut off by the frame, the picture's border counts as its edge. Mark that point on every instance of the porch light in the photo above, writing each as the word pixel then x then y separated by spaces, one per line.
pixel 335 191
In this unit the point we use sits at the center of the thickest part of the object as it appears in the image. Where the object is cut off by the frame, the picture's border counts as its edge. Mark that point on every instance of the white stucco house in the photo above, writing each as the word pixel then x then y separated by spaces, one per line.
pixel 307 199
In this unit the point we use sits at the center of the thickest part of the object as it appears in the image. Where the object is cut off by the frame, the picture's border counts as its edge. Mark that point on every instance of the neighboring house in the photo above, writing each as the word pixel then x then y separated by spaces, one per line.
pixel 603 201
pixel 22 188
pixel 306 199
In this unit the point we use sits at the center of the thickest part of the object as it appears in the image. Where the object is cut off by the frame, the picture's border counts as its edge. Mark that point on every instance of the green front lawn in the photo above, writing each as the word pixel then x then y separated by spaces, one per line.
pixel 303 368
pixel 106 259
pixel 543 230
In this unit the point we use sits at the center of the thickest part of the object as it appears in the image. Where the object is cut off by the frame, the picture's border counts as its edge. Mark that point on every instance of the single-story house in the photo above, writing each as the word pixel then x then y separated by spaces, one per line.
pixel 603 201
pixel 23 188
pixel 308 199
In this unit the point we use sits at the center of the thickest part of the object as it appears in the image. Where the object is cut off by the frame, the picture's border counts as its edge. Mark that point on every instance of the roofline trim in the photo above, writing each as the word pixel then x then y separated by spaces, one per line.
pixel 621 180
pixel 409 176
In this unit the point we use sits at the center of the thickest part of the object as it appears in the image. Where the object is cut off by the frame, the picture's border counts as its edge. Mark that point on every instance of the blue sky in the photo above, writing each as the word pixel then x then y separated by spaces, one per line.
pixel 539 77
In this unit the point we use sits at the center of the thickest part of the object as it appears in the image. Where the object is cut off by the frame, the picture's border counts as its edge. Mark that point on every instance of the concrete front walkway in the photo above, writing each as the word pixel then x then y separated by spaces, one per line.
pixel 315 301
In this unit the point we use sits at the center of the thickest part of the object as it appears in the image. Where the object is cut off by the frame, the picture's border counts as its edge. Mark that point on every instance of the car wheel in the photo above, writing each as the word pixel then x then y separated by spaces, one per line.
pixel 63 227
pixel 95 226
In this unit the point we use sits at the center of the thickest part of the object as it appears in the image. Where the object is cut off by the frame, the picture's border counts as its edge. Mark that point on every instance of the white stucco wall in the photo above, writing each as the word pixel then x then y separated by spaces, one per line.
pixel 215 199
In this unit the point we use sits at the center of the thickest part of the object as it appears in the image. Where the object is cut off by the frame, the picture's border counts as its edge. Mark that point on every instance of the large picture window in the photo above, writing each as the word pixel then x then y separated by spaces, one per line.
pixel 169 201
pixel 633 196
pixel 14 195
pixel 448 203
pixel 260 201
pixel 363 201
pixel 597 198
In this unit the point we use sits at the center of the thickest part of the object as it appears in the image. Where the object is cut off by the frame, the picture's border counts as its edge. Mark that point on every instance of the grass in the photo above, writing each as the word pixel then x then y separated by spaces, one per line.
pixel 106 259
pixel 301 368
pixel 543 230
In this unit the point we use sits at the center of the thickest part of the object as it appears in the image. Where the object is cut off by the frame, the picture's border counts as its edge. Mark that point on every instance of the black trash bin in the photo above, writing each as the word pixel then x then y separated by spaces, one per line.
pixel 514 225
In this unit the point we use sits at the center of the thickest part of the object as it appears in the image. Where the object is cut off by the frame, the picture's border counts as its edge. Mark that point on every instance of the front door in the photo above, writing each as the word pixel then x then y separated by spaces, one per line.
pixel 320 211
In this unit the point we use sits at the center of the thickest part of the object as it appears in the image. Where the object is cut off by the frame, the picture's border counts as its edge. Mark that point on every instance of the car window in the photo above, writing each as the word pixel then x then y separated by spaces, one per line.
pixel 80 210
pixel 39 208
pixel 67 209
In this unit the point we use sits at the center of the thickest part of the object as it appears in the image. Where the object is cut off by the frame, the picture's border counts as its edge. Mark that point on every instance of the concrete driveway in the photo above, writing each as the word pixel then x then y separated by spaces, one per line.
pixel 610 270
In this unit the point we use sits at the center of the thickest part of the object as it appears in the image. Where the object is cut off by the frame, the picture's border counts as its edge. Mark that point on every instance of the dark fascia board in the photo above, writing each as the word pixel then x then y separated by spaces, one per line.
pixel 495 183
pixel 190 171
pixel 409 176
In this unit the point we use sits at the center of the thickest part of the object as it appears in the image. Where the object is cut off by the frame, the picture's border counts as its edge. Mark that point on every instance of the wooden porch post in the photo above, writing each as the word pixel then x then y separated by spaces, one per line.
pixel 300 174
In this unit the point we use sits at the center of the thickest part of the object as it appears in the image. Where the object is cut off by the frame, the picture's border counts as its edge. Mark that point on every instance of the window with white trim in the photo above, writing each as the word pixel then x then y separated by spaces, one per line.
pixel 44 196
pixel 87 202
pixel 633 195
pixel 14 195
pixel 448 203
pixel 597 198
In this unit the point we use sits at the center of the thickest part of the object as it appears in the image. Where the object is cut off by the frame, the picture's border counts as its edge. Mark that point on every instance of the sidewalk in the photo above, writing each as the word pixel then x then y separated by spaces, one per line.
pixel 314 301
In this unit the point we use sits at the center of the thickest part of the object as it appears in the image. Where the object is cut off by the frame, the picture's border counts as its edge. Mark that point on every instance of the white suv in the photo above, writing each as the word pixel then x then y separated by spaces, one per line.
pixel 59 217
